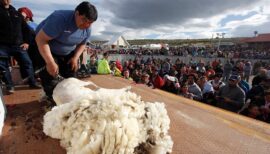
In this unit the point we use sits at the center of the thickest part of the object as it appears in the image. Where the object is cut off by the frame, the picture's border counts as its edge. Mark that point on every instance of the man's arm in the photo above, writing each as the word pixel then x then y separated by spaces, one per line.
pixel 74 60
pixel 42 40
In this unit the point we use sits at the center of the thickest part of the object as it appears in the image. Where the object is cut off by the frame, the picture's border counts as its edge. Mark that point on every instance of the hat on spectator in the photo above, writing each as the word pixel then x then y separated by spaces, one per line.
pixel 27 11
pixel 170 78
pixel 145 75
pixel 234 77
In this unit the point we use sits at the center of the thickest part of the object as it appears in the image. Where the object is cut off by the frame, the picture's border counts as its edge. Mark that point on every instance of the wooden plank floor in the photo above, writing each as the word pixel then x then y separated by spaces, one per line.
pixel 195 127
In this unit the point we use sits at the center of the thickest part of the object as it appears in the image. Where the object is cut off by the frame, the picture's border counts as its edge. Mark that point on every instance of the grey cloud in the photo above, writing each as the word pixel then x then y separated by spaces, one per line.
pixel 248 30
pixel 153 13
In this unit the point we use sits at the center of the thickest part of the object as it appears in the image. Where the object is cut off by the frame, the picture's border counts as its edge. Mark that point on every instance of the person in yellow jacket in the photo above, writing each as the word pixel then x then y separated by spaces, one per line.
pixel 103 65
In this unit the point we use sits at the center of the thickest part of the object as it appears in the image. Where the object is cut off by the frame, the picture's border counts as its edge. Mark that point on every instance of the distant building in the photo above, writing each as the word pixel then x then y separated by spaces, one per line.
pixel 117 42
pixel 259 42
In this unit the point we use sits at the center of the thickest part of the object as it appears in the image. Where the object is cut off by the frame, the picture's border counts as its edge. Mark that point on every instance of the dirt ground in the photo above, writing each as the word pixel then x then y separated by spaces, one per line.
pixel 195 127
pixel 22 133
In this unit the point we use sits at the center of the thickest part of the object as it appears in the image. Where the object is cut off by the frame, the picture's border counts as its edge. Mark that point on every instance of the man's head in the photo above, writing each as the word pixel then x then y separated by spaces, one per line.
pixel 85 15
pixel 106 55
pixel 234 80
pixel 217 77
pixel 126 73
pixel 191 79
pixel 5 3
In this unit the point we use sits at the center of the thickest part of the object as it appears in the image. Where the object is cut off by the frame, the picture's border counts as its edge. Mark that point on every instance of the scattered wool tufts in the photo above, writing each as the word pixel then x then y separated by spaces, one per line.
pixel 109 121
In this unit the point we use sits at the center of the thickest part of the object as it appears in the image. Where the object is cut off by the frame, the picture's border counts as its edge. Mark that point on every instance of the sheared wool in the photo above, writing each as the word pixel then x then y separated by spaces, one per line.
pixel 2 115
pixel 108 121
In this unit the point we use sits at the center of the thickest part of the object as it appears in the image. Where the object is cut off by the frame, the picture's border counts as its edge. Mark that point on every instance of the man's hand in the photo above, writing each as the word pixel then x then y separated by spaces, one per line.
pixel 73 63
pixel 24 46
pixel 52 69
pixel 227 100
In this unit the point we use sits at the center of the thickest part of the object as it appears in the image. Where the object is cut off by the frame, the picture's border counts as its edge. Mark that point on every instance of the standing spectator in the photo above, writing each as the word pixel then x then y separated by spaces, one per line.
pixel 227 71
pixel 14 41
pixel 247 71
pixel 32 51
pixel 231 97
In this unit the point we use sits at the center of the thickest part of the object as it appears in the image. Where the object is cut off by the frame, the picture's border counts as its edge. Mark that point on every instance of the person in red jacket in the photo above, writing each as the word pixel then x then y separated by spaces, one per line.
pixel 156 80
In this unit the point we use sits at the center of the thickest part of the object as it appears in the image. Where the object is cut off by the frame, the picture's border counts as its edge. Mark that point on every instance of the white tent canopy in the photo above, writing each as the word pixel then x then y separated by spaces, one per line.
pixel 116 42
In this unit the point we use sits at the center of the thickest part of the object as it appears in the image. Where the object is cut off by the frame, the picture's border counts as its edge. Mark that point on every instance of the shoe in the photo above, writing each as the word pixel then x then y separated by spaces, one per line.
pixel 47 104
pixel 10 90
pixel 34 86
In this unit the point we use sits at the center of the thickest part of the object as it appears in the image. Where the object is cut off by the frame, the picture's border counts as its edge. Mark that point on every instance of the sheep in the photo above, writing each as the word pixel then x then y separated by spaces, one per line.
pixel 107 121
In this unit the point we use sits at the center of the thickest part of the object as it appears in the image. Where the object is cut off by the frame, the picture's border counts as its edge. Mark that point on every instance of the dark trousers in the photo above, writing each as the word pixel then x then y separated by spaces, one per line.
pixel 24 62
pixel 49 82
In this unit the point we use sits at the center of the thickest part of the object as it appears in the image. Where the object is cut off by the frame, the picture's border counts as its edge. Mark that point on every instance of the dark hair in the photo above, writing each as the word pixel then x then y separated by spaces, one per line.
pixel 88 10
pixel 105 54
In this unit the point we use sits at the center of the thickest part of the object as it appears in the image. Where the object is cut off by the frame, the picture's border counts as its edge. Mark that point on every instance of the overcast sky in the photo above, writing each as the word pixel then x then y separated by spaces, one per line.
pixel 166 19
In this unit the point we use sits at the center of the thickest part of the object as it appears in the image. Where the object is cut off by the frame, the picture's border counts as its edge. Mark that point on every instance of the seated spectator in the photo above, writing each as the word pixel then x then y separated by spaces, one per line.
pixel 217 83
pixel 156 80
pixel 166 66
pixel 171 84
pixel 210 73
pixel 258 78
pixel 115 71
pixel 126 75
pixel 145 79
pixel 103 65
pixel 243 84
pixel 119 65
pixel 193 88
pixel 136 75
pixel 265 109
pixel 253 111
pixel 205 86
pixel 93 65
pixel 207 90
pixel 184 92
pixel 256 94
pixel 231 97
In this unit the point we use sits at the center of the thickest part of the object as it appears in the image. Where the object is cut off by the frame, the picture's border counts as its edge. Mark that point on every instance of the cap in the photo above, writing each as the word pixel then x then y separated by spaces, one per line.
pixel 234 77
pixel 27 11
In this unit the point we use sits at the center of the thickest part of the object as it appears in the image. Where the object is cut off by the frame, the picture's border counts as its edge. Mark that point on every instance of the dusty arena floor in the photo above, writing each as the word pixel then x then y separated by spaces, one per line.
pixel 195 127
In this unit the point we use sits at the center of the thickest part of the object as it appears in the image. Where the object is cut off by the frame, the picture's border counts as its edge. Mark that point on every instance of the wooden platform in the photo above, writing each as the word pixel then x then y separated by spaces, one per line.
pixel 195 127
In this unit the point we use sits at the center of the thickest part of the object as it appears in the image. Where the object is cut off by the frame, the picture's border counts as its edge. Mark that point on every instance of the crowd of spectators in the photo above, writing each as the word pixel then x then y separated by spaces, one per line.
pixel 206 52
pixel 225 85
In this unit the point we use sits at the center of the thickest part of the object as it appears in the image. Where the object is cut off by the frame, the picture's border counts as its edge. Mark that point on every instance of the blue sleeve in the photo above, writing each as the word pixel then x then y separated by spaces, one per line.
pixel 88 38
pixel 54 25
